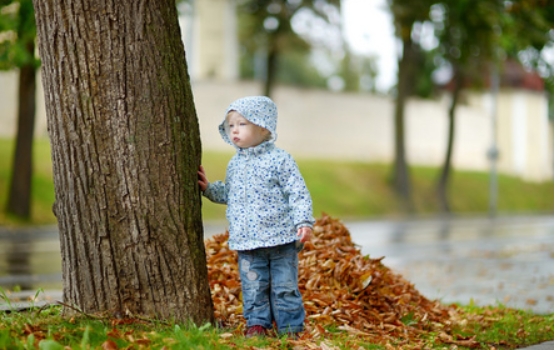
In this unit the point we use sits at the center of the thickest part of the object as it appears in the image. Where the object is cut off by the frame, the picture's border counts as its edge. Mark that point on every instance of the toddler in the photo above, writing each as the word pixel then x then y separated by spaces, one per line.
pixel 270 216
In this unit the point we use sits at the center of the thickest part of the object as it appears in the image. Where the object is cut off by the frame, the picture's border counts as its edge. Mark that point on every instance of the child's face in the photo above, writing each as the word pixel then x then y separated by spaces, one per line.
pixel 242 132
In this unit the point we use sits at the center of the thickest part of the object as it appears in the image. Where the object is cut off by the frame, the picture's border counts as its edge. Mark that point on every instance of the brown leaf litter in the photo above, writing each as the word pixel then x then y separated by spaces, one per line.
pixel 341 288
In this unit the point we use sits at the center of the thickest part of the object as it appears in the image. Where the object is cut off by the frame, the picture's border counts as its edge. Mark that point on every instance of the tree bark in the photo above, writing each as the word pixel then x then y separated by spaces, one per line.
pixel 19 197
pixel 125 150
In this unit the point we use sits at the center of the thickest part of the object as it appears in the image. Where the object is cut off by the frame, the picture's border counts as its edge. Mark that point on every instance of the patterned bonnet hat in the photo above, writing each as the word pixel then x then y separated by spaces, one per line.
pixel 259 110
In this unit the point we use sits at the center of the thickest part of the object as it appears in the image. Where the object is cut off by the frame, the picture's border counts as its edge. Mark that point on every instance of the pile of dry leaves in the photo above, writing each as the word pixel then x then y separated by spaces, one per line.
pixel 340 288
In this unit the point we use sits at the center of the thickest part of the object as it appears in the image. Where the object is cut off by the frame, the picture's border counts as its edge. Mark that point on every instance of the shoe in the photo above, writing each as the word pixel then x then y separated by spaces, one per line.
pixel 255 331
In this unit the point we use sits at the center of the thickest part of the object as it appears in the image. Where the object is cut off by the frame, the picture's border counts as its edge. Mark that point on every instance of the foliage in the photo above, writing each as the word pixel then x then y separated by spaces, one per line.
pixel 528 30
pixel 266 35
pixel 528 24
pixel 17 30
pixel 424 85
pixel 468 36
pixel 473 35
pixel 349 72
pixel 297 70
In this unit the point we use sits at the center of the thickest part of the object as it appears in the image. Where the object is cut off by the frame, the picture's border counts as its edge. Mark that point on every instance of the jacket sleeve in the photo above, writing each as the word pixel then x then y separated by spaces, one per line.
pixel 217 192
pixel 295 190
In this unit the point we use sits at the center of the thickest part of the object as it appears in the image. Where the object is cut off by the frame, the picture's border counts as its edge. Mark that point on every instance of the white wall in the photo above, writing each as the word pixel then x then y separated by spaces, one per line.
pixel 208 30
pixel 8 106
pixel 360 127
pixel 322 124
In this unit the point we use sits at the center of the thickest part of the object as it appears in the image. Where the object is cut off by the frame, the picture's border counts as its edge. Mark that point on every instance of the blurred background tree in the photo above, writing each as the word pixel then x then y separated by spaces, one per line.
pixel 301 43
pixel 468 36
pixel 17 51
pixel 476 39
pixel 271 50
pixel 471 36
pixel 527 33
pixel 407 15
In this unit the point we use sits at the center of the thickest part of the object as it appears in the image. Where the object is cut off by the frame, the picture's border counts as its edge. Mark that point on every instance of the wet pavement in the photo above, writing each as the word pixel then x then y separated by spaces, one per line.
pixel 30 258
pixel 508 260
pixel 481 260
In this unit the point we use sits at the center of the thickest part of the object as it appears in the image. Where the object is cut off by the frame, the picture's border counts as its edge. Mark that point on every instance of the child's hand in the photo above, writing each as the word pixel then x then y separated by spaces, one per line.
pixel 203 181
pixel 305 232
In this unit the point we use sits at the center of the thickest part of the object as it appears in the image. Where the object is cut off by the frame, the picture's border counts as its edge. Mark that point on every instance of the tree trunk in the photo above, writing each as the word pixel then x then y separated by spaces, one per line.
pixel 271 67
pixel 19 197
pixel 444 178
pixel 125 149
pixel 401 178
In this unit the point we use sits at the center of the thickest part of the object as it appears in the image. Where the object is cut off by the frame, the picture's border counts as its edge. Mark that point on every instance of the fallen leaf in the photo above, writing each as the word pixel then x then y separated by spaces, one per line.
pixel 109 345
pixel 340 287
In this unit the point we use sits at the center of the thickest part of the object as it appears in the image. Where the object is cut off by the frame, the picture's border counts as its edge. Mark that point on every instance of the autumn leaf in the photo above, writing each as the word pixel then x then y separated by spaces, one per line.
pixel 109 345
pixel 340 287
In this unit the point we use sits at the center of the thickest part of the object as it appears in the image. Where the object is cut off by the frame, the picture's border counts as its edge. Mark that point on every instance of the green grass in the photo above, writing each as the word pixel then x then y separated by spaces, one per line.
pixel 42 196
pixel 48 328
pixel 505 326
pixel 356 190
pixel 348 190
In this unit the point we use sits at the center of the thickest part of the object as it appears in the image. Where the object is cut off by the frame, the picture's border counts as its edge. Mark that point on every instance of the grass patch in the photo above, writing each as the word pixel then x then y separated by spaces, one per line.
pixel 42 196
pixel 499 326
pixel 349 190
pixel 356 190
pixel 47 328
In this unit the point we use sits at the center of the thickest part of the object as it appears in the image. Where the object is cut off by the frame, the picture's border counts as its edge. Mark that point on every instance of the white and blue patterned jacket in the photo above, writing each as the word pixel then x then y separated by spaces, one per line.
pixel 266 195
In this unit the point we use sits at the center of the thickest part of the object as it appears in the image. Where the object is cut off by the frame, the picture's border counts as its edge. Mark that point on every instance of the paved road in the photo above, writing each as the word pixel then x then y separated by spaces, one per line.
pixel 507 259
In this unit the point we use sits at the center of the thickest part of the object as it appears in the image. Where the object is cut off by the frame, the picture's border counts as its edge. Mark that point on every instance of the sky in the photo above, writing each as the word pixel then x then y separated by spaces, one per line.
pixel 369 30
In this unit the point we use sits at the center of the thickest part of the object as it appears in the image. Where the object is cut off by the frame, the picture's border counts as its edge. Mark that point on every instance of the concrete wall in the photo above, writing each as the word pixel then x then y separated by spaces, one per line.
pixel 208 30
pixel 323 124
pixel 360 127
pixel 8 106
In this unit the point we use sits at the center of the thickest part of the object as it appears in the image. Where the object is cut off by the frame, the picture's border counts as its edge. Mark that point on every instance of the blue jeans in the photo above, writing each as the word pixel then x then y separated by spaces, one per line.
pixel 270 289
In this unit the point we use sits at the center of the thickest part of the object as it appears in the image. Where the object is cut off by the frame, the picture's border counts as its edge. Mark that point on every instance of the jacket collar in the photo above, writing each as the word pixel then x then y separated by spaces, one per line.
pixel 257 150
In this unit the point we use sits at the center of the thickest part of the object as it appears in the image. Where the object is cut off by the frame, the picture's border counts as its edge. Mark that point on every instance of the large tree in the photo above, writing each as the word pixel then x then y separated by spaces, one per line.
pixel 17 17
pixel 125 150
